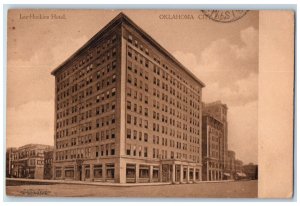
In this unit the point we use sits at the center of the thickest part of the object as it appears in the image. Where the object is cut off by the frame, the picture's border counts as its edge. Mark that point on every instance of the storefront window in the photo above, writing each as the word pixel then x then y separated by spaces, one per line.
pixel 130 171
pixel 98 171
pixel 110 171
pixel 144 171
pixel 69 172
pixel 87 172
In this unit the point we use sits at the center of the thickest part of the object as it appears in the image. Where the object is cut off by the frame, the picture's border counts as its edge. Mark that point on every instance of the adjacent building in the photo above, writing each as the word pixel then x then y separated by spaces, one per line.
pixel 251 171
pixel 9 161
pixel 28 161
pixel 212 148
pixel 48 164
pixel 214 141
pixel 230 165
pixel 126 111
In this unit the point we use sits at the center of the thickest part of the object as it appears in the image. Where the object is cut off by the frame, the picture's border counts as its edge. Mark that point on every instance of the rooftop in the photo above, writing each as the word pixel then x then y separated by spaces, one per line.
pixel 120 19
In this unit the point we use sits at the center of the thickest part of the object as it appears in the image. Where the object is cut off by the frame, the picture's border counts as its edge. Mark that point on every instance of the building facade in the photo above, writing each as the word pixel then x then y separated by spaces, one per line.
pixel 251 171
pixel 28 161
pixel 230 165
pixel 212 148
pixel 218 111
pixel 48 164
pixel 126 111
pixel 9 161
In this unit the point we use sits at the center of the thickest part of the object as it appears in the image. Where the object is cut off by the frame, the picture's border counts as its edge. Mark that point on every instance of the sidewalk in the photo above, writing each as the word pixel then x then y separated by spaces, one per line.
pixel 101 183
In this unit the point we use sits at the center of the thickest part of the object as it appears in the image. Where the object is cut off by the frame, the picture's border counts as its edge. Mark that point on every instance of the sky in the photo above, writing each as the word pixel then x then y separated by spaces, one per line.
pixel 222 55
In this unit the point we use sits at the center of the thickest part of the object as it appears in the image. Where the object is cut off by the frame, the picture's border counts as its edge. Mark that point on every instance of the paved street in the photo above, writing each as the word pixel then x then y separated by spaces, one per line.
pixel 242 189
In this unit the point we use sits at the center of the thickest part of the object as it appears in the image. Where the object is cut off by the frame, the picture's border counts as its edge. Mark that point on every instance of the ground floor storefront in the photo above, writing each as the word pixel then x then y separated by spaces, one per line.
pixel 128 171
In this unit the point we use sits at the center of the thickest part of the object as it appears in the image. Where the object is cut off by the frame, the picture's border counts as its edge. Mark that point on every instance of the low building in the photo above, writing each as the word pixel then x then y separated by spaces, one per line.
pixel 9 161
pixel 48 164
pixel 251 171
pixel 28 161
pixel 239 173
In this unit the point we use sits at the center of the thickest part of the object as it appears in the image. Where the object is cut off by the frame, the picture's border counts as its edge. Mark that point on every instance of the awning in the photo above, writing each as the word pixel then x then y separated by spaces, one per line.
pixel 226 174
pixel 241 174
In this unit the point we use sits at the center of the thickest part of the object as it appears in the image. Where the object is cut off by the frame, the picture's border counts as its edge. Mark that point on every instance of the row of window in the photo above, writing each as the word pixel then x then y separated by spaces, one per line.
pixel 104 45
pixel 136 54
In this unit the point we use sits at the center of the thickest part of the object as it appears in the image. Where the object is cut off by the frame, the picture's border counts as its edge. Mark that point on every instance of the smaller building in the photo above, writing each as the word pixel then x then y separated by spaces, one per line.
pixel 212 148
pixel 239 173
pixel 9 161
pixel 251 171
pixel 230 165
pixel 28 161
pixel 48 164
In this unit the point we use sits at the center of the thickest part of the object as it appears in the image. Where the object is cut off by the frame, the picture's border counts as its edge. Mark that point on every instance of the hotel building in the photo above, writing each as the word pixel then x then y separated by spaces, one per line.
pixel 126 111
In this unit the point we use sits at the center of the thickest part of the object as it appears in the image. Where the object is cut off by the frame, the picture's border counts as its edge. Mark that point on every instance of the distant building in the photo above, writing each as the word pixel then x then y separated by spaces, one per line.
pixel 230 165
pixel 126 111
pixel 9 161
pixel 239 172
pixel 214 140
pixel 251 171
pixel 28 161
pixel 48 164
pixel 212 148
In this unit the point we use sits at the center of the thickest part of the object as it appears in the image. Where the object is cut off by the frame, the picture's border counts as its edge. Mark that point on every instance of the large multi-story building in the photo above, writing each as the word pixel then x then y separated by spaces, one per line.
pixel 212 148
pixel 126 111
pixel 28 161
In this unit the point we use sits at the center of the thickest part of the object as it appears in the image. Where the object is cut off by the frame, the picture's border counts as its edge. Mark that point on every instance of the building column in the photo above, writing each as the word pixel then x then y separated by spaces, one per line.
pixel 83 173
pixel 103 172
pixel 188 174
pixel 63 173
pixel 194 175
pixel 91 172
pixel 160 173
pixel 173 172
pixel 181 173
pixel 137 173
pixel 151 173
pixel 215 174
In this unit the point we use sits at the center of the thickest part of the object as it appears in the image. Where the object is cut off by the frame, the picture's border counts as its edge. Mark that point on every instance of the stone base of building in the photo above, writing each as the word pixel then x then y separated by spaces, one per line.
pixel 125 170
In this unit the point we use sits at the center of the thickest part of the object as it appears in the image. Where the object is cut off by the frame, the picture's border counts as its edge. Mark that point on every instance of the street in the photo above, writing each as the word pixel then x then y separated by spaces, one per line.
pixel 240 189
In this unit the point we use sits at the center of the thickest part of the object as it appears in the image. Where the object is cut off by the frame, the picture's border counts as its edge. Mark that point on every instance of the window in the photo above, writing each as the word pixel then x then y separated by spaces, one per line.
pixel 145 152
pixel 128 150
pixel 112 149
pixel 129 105
pixel 144 171
pixel 128 133
pixel 129 65
pixel 110 171
pixel 145 137
pixel 114 78
pixel 129 79
pixel 128 118
pixel 113 92
pixel 130 38
pixel 98 171
pixel 113 133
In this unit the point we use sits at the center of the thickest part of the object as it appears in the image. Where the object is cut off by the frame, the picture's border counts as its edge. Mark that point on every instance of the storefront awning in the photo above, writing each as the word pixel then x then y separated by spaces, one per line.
pixel 226 174
pixel 241 174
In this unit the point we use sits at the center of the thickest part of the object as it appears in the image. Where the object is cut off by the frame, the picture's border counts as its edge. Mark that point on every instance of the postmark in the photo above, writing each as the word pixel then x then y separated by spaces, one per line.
pixel 224 16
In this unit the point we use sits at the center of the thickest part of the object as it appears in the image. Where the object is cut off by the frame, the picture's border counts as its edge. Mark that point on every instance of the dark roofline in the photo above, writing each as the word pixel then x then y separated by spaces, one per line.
pixel 118 19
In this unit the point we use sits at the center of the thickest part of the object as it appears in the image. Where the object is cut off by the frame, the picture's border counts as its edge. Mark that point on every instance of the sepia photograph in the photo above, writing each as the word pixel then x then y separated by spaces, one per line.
pixel 139 103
